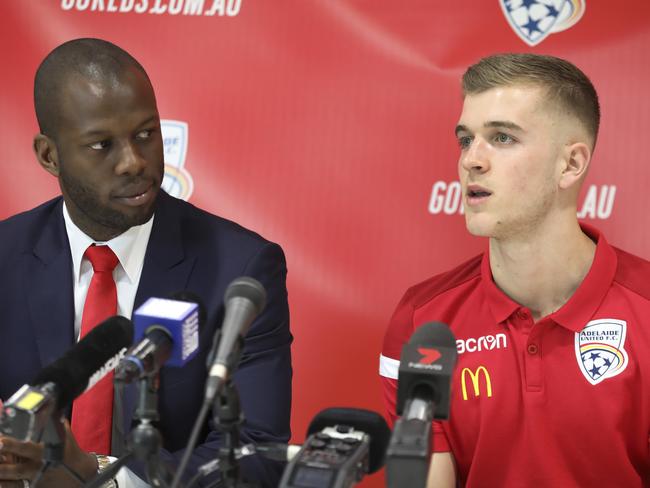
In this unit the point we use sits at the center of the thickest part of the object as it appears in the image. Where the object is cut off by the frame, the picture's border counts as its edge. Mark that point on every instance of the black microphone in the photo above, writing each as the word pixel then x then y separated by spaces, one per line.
pixel 26 413
pixel 343 444
pixel 168 332
pixel 245 298
pixel 425 370
pixel 424 379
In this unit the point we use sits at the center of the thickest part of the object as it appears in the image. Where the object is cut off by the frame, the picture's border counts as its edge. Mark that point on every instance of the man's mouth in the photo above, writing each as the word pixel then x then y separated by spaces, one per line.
pixel 137 195
pixel 475 191
pixel 476 195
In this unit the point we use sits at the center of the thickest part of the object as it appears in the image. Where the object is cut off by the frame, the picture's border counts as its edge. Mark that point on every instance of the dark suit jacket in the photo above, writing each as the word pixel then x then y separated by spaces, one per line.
pixel 189 249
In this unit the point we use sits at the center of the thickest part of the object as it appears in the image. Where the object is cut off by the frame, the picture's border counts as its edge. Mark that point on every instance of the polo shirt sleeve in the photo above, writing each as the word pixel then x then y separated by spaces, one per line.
pixel 399 330
pixel 440 441
pixel 398 333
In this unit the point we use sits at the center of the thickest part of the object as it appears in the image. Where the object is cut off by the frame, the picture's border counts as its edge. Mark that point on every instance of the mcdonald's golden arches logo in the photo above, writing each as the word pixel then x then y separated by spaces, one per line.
pixel 475 377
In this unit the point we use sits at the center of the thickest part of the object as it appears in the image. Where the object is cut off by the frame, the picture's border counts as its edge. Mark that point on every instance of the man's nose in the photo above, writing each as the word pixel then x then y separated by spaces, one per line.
pixel 476 157
pixel 131 160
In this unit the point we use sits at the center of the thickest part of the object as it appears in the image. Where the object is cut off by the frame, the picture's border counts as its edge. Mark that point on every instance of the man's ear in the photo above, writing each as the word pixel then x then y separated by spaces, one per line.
pixel 46 153
pixel 577 157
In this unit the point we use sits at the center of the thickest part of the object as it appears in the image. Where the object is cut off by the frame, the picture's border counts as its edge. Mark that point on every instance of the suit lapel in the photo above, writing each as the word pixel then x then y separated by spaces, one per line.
pixel 167 269
pixel 51 302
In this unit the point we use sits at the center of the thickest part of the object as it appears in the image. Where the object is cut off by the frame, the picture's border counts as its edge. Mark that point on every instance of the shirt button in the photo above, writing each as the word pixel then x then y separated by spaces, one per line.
pixel 522 314
pixel 532 348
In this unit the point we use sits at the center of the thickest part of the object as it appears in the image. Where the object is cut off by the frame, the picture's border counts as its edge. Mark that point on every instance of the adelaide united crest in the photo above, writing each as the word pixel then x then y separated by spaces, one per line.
pixel 600 349
pixel 177 181
pixel 534 20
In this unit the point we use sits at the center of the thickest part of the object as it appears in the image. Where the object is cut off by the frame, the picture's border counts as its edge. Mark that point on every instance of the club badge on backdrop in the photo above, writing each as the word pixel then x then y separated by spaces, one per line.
pixel 600 349
pixel 178 181
pixel 535 20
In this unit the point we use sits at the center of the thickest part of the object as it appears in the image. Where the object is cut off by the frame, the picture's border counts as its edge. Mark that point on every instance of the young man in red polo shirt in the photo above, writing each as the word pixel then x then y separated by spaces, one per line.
pixel 552 385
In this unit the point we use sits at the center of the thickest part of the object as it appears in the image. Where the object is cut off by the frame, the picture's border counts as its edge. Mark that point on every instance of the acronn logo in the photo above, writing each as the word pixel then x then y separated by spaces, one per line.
pixel 483 343
pixel 534 20
pixel 600 349
pixel 177 181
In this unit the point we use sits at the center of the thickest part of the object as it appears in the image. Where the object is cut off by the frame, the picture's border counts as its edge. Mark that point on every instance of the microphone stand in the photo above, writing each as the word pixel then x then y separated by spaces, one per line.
pixel 145 440
pixel 409 451
pixel 227 418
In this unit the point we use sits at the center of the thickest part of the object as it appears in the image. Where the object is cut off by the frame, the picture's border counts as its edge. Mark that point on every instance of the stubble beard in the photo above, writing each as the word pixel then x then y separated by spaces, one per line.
pixel 520 224
pixel 96 218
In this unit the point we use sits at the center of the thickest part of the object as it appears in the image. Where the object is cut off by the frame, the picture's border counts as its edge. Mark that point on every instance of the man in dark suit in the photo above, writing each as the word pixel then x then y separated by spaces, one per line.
pixel 100 136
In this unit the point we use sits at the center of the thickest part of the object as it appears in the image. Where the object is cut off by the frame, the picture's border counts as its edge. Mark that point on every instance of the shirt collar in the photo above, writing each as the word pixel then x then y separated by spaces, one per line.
pixel 129 247
pixel 582 305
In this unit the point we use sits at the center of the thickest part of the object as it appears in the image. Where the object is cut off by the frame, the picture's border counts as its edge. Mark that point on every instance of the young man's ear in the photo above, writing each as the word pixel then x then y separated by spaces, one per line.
pixel 46 153
pixel 577 157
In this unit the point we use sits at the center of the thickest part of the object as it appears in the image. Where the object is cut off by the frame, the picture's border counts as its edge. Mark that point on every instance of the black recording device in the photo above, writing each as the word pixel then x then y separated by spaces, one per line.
pixel 343 444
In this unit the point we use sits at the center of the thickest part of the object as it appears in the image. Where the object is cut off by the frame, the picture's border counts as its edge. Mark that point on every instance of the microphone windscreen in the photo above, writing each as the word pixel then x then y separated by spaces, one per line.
pixel 72 371
pixel 248 288
pixel 366 421
pixel 433 334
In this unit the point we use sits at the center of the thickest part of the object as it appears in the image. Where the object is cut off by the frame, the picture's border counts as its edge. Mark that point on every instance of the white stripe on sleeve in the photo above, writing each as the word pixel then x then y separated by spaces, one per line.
pixel 388 367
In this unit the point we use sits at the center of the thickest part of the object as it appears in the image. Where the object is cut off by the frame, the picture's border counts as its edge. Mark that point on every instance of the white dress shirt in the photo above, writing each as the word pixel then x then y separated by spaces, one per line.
pixel 130 248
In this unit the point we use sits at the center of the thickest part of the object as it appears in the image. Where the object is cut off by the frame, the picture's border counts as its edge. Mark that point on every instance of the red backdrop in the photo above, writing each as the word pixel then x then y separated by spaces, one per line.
pixel 327 126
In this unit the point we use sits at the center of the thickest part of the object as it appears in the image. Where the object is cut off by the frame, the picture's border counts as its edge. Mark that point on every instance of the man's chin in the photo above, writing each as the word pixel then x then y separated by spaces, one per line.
pixel 123 221
pixel 132 216
pixel 139 219
pixel 478 226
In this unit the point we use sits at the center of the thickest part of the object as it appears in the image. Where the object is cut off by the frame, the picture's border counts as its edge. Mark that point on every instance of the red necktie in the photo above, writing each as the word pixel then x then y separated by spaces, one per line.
pixel 92 412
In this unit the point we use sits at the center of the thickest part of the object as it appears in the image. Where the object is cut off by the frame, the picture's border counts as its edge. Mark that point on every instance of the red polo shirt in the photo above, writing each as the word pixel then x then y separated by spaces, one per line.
pixel 562 402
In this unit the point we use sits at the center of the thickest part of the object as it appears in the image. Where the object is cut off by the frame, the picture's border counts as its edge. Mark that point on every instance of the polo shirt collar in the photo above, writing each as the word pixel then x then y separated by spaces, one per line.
pixel 582 305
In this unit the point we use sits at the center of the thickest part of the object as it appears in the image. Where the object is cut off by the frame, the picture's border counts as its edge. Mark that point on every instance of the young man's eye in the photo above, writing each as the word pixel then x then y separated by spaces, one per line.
pixel 502 138
pixel 464 142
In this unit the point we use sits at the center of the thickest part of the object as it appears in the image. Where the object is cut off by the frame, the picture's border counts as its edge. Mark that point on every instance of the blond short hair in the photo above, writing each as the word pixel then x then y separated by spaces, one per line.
pixel 564 82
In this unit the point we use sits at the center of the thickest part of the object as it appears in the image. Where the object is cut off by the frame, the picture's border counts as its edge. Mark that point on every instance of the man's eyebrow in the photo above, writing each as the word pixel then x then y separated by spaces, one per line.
pixel 499 124
pixel 102 132
pixel 503 124
pixel 148 120
pixel 94 133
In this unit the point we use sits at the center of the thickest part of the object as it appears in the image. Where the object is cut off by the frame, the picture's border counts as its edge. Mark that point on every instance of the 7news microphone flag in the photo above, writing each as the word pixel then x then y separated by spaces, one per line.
pixel 423 391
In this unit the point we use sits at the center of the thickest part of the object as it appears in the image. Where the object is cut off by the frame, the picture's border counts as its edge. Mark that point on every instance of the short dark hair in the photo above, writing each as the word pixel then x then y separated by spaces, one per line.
pixel 93 59
pixel 564 82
